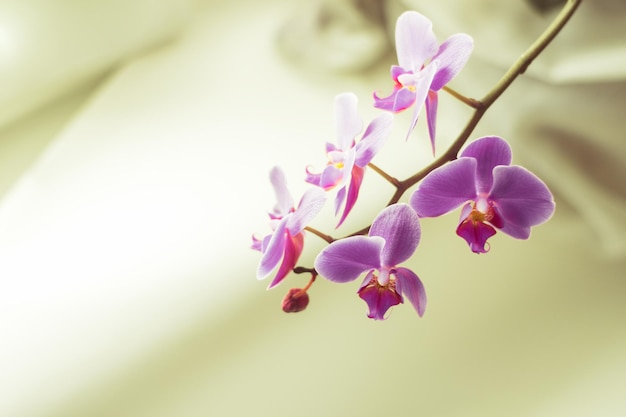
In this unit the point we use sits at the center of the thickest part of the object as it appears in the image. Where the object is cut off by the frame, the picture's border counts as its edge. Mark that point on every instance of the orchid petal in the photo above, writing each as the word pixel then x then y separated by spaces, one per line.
pixel 415 40
pixel 257 244
pixel 445 188
pixel 330 177
pixel 400 99
pixel 409 285
pixel 489 152
pixel 273 251
pixel 344 260
pixel 373 139
pixel 284 200
pixel 312 178
pixel 399 226
pixel 387 103
pixel 421 92
pixel 352 191
pixel 347 121
pixel 340 198
pixel 452 56
pixel 379 299
pixel 432 100
pixel 310 205
pixel 293 250
pixel 403 99
pixel 522 199
pixel 475 234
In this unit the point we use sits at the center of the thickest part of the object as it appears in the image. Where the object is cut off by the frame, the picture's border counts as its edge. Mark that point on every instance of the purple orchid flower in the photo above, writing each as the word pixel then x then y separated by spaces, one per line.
pixel 287 239
pixel 494 194
pixel 392 239
pixel 424 67
pixel 347 160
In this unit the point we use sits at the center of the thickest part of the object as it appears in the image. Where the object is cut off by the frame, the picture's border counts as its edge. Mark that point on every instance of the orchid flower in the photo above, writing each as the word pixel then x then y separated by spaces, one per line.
pixel 494 194
pixel 347 160
pixel 424 67
pixel 287 239
pixel 392 239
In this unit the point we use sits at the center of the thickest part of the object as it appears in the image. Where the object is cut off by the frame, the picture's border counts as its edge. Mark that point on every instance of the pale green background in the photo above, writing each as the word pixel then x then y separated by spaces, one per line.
pixel 134 148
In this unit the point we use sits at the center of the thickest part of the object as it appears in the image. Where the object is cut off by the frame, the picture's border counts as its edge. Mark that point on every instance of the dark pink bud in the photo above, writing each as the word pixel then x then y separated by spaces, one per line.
pixel 296 300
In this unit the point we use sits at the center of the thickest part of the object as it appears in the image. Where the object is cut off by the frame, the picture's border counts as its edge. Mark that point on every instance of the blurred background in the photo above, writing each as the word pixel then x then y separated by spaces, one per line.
pixel 135 142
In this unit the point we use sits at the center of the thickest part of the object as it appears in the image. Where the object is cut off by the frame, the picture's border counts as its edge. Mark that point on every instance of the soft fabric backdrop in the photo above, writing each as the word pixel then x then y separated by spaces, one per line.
pixel 126 284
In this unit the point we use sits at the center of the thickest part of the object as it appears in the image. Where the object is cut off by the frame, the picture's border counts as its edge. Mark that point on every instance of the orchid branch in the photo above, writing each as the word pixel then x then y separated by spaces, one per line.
pixel 481 106
pixel 518 68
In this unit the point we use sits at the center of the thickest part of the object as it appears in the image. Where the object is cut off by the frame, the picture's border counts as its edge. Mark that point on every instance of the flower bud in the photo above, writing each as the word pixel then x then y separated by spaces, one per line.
pixel 296 300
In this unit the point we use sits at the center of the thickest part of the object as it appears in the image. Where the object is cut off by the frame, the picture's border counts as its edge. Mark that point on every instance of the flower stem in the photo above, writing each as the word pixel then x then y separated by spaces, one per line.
pixel 319 234
pixel 393 181
pixel 518 68
pixel 303 270
pixel 476 104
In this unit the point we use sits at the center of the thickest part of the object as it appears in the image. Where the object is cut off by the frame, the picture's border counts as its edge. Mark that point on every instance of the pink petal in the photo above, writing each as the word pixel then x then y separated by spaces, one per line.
pixel 432 100
pixel 410 286
pixel 415 40
pixel 522 199
pixel 284 200
pixel 356 178
pixel 400 99
pixel 347 120
pixel 373 139
pixel 293 249
pixel 475 234
pixel 330 177
pixel 399 226
pixel 257 244
pixel 340 198
pixel 489 152
pixel 452 57
pixel 445 188
pixel 344 260
pixel 421 92
pixel 312 178
pixel 310 205
pixel 273 251
pixel 379 299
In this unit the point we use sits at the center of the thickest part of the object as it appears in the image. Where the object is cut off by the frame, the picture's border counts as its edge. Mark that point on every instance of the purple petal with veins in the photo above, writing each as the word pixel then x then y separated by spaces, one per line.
pixel 489 152
pixel 344 260
pixel 522 199
pixel 409 285
pixel 399 226
pixel 310 205
pixel 373 139
pixel 452 56
pixel 445 188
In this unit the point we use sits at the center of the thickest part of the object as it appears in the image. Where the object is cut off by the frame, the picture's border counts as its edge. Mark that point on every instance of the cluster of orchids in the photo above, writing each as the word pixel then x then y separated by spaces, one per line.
pixel 477 177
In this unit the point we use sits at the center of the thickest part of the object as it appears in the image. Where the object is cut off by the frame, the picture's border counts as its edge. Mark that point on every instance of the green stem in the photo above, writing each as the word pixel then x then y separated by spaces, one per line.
pixel 319 234
pixel 518 68
pixel 476 104
pixel 393 181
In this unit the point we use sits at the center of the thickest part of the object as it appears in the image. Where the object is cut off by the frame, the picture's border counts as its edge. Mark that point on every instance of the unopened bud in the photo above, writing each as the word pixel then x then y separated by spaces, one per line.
pixel 296 300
